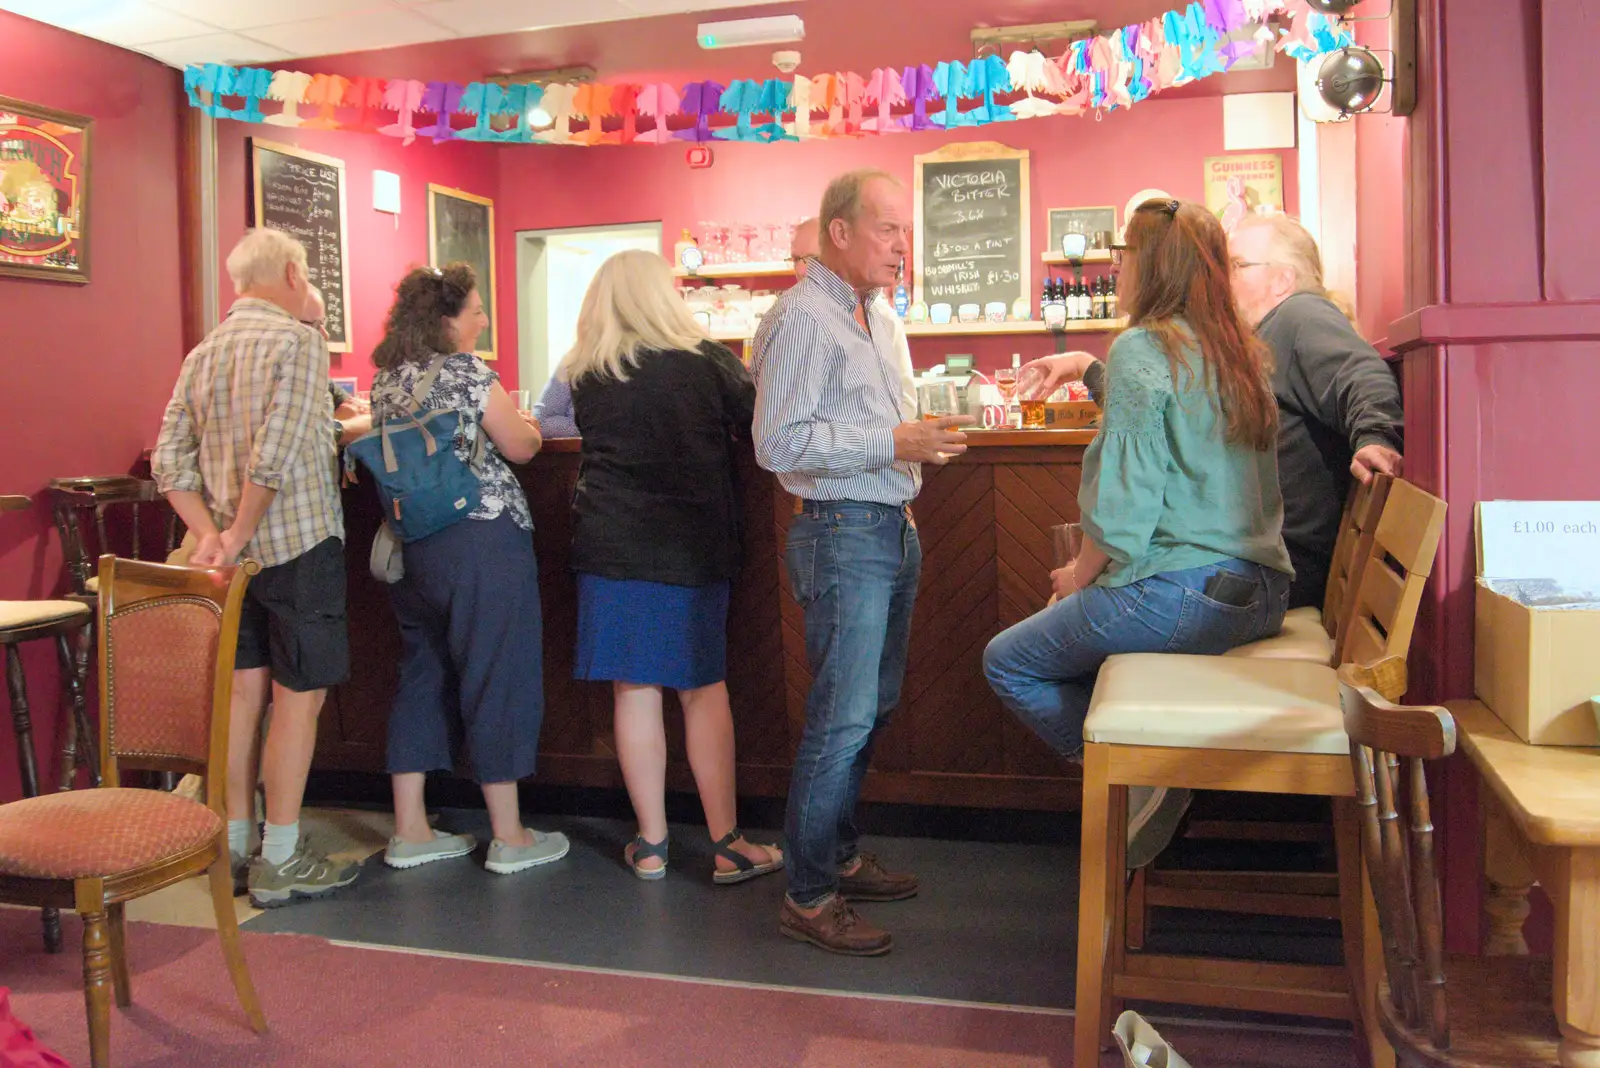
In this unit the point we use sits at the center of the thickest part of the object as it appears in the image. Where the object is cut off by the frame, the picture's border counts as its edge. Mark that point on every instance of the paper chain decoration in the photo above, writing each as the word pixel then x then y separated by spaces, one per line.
pixel 1102 73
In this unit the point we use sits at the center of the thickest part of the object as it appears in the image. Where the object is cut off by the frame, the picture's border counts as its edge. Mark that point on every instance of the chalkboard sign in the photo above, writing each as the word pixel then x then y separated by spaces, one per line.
pixel 461 230
pixel 973 210
pixel 302 193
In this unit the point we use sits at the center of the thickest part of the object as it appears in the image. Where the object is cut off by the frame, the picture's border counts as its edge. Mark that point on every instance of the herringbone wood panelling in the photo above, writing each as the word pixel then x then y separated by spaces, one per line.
pixel 1029 500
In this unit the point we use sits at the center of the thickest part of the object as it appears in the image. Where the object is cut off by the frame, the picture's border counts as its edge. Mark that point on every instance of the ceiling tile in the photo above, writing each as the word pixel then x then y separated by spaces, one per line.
pixel 214 48
pixel 124 22
pixel 479 18
pixel 248 14
pixel 386 28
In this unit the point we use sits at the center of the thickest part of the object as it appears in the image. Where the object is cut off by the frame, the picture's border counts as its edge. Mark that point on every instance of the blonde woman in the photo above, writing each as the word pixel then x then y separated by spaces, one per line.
pixel 656 542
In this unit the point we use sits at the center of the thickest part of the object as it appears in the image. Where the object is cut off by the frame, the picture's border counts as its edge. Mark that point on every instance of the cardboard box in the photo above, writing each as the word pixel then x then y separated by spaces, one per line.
pixel 1070 415
pixel 1536 668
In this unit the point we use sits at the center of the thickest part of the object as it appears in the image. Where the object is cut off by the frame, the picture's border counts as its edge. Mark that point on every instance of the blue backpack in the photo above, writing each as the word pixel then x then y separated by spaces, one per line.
pixel 423 485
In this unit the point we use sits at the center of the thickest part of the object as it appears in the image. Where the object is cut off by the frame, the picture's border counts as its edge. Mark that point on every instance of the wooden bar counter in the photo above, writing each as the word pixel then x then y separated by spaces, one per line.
pixel 984 521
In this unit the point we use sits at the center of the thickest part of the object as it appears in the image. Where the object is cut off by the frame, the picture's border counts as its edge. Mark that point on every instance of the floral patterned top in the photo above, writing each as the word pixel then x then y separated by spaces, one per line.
pixel 463 385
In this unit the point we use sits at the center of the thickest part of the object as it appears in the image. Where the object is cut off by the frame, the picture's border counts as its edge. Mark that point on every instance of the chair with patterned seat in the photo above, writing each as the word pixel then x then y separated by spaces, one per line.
pixel 167 642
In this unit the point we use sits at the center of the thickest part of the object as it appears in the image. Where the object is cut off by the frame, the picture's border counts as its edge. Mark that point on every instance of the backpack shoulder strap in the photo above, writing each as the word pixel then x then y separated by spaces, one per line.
pixel 424 386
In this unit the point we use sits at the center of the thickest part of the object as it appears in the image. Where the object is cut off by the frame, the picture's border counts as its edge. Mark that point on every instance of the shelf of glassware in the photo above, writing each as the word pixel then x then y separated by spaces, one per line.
pixel 1096 255
pixel 985 329
pixel 710 271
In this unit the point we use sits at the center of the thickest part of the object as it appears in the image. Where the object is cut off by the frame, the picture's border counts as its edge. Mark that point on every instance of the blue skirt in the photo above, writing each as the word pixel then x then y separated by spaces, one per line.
pixel 650 633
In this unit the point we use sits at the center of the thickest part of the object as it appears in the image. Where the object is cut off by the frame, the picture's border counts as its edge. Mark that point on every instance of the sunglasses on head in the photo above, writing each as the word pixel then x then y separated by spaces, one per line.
pixel 1169 208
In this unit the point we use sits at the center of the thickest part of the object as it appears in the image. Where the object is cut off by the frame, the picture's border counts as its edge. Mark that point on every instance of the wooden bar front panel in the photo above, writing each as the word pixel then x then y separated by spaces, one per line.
pixel 984 522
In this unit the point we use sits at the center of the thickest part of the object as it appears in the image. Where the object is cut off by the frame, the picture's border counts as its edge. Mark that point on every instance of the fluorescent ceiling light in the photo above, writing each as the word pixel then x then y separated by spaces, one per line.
pixel 777 29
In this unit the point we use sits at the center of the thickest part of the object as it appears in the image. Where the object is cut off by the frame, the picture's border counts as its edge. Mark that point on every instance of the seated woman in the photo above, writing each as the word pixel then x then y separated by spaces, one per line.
pixel 656 540
pixel 1183 521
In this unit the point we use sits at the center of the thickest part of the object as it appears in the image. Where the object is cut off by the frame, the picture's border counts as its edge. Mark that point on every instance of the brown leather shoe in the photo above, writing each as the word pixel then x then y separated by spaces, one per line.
pixel 872 882
pixel 838 928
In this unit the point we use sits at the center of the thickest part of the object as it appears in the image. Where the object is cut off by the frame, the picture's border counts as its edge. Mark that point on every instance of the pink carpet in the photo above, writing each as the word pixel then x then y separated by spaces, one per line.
pixel 332 1005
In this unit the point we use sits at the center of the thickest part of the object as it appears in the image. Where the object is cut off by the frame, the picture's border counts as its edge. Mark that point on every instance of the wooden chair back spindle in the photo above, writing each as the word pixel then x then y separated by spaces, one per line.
pixel 1383 612
pixel 1383 738
pixel 79 502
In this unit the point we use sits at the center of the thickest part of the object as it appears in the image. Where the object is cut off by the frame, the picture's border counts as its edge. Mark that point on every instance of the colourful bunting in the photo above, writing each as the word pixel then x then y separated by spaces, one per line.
pixel 1112 70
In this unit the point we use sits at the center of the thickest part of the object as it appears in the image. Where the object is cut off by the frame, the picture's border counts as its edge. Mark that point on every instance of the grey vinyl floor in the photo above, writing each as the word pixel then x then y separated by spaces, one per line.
pixel 994 923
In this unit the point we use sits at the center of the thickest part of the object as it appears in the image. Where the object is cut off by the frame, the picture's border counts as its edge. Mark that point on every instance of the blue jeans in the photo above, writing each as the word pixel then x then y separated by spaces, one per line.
pixel 1043 669
pixel 853 567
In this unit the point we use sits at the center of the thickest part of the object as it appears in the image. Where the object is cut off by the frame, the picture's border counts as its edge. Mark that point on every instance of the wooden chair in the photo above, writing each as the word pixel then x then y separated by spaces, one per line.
pixel 1252 726
pixel 1503 1006
pixel 81 507
pixel 1315 636
pixel 54 621
pixel 168 637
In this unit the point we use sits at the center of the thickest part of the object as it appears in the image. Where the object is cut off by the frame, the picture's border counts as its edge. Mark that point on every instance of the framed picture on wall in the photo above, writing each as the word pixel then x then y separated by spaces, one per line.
pixel 461 230
pixel 348 385
pixel 44 192
pixel 1090 222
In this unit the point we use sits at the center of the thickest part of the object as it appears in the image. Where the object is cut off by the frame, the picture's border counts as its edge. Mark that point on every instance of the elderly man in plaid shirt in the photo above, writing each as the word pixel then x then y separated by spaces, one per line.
pixel 247 458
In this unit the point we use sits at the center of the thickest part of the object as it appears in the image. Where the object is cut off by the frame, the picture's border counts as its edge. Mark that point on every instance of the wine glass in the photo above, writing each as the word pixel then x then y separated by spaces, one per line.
pixel 1006 380
pixel 747 232
pixel 708 241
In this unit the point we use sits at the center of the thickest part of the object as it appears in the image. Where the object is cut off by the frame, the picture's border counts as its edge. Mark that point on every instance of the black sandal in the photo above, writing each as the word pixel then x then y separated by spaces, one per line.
pixel 643 850
pixel 744 868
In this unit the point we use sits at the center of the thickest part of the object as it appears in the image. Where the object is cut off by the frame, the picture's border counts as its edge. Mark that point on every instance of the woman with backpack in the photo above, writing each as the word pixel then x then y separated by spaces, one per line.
pixel 471 668
pixel 655 542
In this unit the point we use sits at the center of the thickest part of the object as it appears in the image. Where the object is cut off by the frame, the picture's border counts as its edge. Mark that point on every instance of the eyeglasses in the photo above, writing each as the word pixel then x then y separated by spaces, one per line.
pixel 1240 265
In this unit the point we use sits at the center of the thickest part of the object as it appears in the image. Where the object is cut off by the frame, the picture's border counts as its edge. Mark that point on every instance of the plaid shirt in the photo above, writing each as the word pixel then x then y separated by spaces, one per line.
pixel 252 404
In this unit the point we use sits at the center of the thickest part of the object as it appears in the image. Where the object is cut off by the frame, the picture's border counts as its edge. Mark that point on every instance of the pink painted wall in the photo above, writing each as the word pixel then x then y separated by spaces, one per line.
pixel 87 368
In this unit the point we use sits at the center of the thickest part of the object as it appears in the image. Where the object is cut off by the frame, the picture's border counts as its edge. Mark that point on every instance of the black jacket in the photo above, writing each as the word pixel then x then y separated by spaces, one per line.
pixel 1335 396
pixel 656 497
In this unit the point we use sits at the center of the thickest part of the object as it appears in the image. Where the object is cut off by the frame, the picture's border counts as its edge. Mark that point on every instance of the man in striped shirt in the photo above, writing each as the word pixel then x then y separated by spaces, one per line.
pixel 246 457
pixel 829 424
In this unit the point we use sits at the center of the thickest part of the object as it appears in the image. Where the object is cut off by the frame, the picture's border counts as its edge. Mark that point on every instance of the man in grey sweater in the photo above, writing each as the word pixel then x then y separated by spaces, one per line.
pixel 1339 404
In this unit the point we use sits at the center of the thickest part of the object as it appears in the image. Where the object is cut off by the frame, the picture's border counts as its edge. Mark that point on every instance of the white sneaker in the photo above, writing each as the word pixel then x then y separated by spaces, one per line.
pixel 505 859
pixel 1154 813
pixel 402 854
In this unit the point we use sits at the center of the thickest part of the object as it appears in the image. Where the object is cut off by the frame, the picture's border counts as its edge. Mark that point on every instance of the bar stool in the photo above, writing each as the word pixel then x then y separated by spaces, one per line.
pixel 26 621
pixel 1314 636
pixel 81 506
pixel 1252 726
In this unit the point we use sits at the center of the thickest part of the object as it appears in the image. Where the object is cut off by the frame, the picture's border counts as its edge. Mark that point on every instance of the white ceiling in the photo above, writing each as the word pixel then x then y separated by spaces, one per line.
pixel 180 32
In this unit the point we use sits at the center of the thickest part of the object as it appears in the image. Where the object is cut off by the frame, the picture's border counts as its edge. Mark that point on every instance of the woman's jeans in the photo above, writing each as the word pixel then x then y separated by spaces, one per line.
pixel 1043 669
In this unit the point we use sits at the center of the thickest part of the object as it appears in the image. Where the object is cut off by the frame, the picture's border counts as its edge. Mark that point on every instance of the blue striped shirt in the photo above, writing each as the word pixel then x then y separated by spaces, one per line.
pixel 828 396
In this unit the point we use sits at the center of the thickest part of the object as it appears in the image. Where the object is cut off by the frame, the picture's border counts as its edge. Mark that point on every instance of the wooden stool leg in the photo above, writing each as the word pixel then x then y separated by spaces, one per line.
pixel 1099 887
pixel 221 875
pixel 1363 945
pixel 79 749
pixel 96 987
pixel 119 958
pixel 28 769
pixel 1138 926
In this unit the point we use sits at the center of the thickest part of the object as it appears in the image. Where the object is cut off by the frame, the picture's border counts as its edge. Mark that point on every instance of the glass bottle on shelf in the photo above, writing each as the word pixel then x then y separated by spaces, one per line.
pixel 1112 311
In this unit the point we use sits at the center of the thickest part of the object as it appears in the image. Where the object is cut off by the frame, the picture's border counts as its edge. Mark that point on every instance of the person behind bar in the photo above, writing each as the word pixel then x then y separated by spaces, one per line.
pixel 656 543
pixel 471 636
pixel 352 415
pixel 554 410
pixel 1182 516
pixel 829 423
pixel 246 457
pixel 1339 407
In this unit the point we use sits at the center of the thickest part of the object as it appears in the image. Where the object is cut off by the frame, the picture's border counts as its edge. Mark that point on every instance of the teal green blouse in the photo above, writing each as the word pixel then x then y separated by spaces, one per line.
pixel 1163 490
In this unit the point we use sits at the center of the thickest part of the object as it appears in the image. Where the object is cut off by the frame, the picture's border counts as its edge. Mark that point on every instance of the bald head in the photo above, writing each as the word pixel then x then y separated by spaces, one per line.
pixel 803 246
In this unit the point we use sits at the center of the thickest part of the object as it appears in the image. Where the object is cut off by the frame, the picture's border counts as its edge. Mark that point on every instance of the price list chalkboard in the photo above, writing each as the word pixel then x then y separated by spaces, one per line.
pixel 973 210
pixel 302 193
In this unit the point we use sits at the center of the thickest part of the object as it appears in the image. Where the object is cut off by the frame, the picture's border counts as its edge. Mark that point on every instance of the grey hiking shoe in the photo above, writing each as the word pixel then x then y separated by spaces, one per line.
pixel 505 859
pixel 1154 814
pixel 308 873
pixel 402 854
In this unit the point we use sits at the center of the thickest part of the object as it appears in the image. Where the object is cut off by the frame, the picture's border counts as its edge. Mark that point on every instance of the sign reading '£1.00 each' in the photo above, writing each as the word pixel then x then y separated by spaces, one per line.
pixel 1540 540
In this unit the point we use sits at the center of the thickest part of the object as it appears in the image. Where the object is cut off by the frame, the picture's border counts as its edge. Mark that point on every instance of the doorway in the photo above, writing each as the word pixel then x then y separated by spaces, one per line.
pixel 554 268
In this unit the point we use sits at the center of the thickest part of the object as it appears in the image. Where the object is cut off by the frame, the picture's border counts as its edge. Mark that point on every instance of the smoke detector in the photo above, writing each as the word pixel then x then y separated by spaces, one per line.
pixel 786 62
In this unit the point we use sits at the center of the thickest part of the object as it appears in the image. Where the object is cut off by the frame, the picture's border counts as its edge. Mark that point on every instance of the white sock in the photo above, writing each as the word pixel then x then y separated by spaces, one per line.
pixel 278 843
pixel 239 837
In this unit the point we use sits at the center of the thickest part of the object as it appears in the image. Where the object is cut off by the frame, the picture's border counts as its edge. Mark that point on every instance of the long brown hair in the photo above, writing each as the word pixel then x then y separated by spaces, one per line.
pixel 424 299
pixel 1179 263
